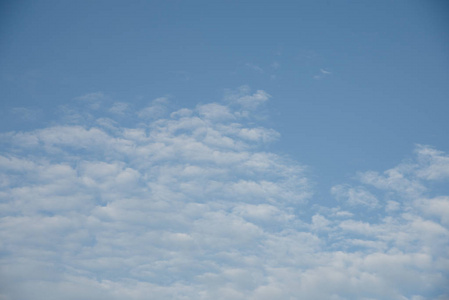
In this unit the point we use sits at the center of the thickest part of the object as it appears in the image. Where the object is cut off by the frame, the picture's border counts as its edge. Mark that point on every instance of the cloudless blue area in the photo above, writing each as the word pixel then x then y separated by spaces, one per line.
pixel 354 84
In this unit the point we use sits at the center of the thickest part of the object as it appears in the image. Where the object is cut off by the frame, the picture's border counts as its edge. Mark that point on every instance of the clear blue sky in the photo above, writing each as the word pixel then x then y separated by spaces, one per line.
pixel 338 89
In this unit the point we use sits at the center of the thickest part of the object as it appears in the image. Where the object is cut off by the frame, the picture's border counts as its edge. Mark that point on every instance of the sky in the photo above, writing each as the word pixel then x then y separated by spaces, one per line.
pixel 224 150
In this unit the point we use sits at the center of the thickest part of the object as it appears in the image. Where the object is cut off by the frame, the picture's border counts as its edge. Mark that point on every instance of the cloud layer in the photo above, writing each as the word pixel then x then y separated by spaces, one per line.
pixel 187 204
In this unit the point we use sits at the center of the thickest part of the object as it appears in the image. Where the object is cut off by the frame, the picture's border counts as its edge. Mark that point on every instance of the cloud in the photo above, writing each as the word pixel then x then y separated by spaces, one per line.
pixel 119 108
pixel 408 179
pixel 93 100
pixel 243 97
pixel 255 68
pixel 354 196
pixel 91 96
pixel 438 207
pixel 323 73
pixel 394 180
pixel 433 164
pixel 215 112
pixel 155 110
pixel 188 205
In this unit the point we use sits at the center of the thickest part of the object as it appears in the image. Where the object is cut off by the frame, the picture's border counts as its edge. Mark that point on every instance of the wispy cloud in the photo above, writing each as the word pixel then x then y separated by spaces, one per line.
pixel 255 68
pixel 323 73
pixel 119 108
pixel 93 100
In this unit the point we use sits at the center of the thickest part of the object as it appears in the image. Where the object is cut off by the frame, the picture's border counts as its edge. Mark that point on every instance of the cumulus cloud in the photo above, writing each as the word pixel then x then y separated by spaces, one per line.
pixel 186 205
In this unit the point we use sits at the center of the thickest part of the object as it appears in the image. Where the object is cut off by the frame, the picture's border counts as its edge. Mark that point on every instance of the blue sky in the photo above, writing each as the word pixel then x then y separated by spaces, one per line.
pixel 234 150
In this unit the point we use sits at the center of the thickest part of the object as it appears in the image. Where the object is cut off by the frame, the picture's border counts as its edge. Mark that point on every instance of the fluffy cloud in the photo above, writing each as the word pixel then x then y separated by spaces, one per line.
pixel 188 207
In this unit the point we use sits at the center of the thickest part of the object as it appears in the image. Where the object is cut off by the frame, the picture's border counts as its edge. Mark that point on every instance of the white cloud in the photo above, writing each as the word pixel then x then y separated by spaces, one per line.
pixel 215 112
pixel 190 207
pixel 183 112
pixel 392 206
pixel 354 196
pixel 243 97
pixel 320 223
pixel 395 180
pixel 433 164
pixel 438 207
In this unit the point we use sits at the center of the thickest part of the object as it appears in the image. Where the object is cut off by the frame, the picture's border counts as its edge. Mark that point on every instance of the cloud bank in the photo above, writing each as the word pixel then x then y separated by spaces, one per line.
pixel 187 204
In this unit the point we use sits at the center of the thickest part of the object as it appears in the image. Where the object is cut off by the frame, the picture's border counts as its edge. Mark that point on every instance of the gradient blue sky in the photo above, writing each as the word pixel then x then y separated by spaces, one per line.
pixel 352 95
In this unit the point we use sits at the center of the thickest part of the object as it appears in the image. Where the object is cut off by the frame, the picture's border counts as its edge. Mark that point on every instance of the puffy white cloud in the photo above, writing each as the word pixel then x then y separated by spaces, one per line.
pixel 189 207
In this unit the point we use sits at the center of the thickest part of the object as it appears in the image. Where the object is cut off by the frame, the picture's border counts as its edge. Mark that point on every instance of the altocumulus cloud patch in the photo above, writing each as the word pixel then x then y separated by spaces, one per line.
pixel 186 204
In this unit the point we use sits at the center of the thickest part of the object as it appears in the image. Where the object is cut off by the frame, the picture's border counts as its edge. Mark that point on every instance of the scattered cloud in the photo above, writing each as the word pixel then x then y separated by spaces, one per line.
pixel 188 205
